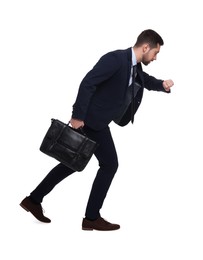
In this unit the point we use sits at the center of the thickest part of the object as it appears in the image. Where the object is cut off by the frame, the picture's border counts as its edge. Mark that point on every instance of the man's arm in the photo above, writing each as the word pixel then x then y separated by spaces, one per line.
pixel 103 70
pixel 151 83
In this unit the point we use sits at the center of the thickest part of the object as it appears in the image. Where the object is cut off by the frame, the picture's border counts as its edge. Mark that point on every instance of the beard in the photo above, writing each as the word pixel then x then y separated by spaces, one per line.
pixel 145 61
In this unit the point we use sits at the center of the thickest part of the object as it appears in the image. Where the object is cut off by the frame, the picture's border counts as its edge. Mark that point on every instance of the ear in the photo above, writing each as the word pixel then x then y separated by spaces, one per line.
pixel 145 48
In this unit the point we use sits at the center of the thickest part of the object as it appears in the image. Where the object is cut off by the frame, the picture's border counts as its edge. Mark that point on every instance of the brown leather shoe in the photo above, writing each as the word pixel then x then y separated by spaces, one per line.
pixel 35 209
pixel 98 224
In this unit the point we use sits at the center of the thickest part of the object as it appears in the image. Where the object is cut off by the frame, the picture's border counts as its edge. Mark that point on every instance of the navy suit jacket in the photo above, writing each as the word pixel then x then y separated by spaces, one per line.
pixel 102 91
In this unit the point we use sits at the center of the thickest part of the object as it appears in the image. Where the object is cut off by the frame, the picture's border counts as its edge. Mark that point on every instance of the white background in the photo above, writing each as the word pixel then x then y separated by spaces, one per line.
pixel 46 48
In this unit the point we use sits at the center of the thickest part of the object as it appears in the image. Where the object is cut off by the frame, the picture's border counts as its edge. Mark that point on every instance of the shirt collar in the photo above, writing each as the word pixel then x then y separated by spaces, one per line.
pixel 134 60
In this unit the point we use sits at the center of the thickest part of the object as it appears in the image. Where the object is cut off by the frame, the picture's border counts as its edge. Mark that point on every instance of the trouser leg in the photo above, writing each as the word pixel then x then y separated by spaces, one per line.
pixel 56 175
pixel 108 162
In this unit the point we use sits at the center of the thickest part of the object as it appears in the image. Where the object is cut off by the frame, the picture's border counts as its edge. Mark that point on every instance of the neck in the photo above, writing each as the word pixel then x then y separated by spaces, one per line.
pixel 137 54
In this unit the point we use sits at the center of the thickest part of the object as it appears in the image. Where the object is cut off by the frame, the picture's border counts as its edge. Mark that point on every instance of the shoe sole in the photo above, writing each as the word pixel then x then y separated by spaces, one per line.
pixel 91 229
pixel 87 229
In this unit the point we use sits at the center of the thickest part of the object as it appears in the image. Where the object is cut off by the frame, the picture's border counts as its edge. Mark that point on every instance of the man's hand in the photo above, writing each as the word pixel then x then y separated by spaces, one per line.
pixel 76 123
pixel 167 84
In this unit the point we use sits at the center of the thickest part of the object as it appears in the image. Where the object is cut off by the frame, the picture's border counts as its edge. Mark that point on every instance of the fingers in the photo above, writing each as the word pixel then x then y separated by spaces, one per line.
pixel 170 83
pixel 167 84
pixel 75 123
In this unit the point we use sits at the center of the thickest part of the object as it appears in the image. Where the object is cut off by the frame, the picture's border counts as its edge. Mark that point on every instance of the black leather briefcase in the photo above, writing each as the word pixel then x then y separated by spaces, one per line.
pixel 67 145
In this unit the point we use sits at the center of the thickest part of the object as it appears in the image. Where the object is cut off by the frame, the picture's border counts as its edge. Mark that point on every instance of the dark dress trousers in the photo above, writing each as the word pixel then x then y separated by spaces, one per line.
pixel 99 100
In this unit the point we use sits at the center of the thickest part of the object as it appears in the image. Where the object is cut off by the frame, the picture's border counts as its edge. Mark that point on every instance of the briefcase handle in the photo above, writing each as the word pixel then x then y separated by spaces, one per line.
pixel 79 130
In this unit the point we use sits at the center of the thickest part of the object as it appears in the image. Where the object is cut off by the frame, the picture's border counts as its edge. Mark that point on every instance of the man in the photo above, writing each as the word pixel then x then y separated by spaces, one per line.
pixel 111 91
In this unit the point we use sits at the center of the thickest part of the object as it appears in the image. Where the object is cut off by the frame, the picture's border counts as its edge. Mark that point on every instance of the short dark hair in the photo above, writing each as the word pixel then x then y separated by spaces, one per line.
pixel 149 36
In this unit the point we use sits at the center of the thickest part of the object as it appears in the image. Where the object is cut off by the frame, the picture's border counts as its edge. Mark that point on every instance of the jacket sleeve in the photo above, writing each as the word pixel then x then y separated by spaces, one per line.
pixel 151 83
pixel 105 68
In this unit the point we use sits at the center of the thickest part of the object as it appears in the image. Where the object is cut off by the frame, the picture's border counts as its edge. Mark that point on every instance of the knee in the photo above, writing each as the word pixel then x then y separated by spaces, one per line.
pixel 115 166
pixel 110 167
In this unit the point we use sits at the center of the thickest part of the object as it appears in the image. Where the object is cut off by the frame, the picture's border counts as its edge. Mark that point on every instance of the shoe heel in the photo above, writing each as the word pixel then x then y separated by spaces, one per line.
pixel 24 207
pixel 87 229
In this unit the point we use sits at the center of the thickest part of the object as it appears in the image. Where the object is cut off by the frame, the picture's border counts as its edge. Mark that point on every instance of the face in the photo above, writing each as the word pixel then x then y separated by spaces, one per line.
pixel 149 54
